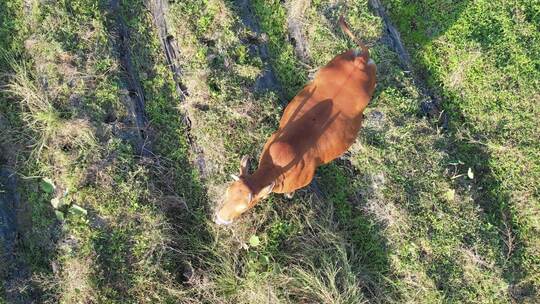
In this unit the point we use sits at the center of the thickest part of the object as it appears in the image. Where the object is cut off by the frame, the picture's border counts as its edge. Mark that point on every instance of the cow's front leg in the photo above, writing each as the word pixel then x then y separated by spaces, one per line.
pixel 289 195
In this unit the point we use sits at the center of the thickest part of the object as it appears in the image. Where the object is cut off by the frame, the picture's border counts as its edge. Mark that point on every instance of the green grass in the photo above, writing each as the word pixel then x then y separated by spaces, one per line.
pixel 482 59
pixel 399 219
pixel 115 252
pixel 11 35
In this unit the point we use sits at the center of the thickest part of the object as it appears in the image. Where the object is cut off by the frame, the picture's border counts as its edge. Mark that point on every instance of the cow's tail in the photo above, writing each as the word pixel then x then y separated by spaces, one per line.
pixel 347 30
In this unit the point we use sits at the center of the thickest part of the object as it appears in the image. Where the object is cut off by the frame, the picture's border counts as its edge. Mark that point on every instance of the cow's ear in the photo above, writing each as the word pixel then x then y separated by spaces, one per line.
pixel 266 190
pixel 244 165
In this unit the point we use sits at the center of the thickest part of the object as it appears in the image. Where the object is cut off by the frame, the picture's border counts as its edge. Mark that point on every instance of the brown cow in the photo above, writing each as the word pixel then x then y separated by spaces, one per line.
pixel 318 125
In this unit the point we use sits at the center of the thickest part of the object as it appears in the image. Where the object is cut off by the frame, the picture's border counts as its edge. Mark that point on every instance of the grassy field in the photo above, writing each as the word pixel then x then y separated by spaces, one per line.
pixel 424 208
pixel 482 60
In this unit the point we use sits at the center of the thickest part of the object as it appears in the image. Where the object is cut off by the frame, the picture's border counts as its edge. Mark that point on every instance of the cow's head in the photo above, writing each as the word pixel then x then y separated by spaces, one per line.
pixel 238 197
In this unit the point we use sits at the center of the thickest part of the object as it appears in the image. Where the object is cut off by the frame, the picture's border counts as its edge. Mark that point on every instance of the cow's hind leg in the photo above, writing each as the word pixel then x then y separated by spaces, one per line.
pixel 289 195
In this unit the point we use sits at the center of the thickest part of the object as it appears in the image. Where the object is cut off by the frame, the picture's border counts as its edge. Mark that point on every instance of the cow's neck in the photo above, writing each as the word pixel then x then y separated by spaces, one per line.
pixel 262 177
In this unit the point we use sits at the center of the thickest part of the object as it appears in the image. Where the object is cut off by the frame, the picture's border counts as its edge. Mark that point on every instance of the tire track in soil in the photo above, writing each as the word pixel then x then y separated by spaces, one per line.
pixel 133 85
pixel 14 271
pixel 431 105
pixel 268 80
pixel 158 9
pixel 295 15
pixel 391 37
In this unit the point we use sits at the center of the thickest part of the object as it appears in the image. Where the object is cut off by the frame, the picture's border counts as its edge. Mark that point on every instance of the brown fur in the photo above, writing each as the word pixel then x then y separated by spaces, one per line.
pixel 318 125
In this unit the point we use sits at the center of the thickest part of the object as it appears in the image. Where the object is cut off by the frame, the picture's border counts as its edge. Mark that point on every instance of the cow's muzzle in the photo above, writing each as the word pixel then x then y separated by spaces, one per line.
pixel 218 220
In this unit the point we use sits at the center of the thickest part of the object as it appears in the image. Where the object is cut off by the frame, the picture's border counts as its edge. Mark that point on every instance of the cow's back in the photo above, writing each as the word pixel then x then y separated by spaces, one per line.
pixel 325 116
pixel 320 123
